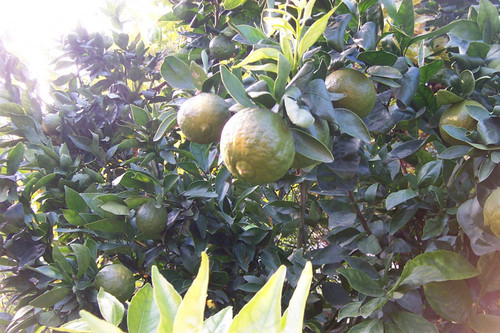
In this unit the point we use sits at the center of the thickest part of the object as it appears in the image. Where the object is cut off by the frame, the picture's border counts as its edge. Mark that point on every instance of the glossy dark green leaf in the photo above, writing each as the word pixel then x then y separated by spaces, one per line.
pixel 141 117
pixel 484 323
pixel 349 310
pixel 83 258
pixel 14 158
pixel 450 299
pixel 379 57
pixel 284 69
pixel 107 225
pixel 166 125
pixel 366 37
pixel 409 84
pixel 143 315
pixel 458 133
pixel 318 100
pixel 453 152
pixel 489 130
pixel 74 201
pixel 405 149
pixel 368 326
pixel 434 266
pixel 429 173
pixel 487 19
pixel 468 82
pixel 334 33
pixel 406 16
pixel 434 226
pixel 429 70
pixel 177 73
pixel 399 197
pixel 361 282
pixel 401 217
pixel 447 97
pixel 351 124
pixel 235 88
pixel 412 323
pixel 50 298
pixel 310 147
pixel 384 71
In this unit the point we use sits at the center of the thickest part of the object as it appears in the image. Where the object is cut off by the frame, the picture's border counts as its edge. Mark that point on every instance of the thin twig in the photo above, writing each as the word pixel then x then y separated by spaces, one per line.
pixel 358 213
pixel 302 214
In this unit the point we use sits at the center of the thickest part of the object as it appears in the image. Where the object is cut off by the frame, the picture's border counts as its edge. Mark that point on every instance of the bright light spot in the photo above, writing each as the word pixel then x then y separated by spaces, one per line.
pixel 32 29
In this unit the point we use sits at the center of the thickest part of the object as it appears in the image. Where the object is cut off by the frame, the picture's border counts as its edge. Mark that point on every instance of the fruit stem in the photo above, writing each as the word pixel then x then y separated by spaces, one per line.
pixel 358 213
pixel 302 213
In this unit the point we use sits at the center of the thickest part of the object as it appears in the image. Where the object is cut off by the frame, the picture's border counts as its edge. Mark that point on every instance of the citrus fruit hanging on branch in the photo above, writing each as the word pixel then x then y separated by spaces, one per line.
pixel 150 219
pixel 202 117
pixel 358 89
pixel 457 115
pixel 257 146
pixel 491 212
pixel 221 48
pixel 117 280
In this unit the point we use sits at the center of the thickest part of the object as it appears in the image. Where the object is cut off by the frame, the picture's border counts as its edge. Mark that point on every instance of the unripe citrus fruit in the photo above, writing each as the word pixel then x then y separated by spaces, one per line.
pixel 358 89
pixel 257 146
pixel 221 48
pixel 202 117
pixel 491 212
pixel 150 219
pixel 50 124
pixel 117 280
pixel 457 115
pixel 320 131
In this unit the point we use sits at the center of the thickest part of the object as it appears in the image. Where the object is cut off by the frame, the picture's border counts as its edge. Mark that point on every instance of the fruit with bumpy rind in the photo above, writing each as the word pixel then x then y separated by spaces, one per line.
pixel 257 146
pixel 202 117
pixel 117 280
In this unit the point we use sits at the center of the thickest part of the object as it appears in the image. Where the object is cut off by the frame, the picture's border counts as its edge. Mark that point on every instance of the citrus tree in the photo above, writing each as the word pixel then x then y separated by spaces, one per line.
pixel 359 136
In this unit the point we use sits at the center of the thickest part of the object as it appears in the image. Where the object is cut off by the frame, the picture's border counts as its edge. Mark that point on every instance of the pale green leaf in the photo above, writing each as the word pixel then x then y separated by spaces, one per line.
pixel 263 312
pixel 294 315
pixel 219 322
pixel 98 325
pixel 143 315
pixel 112 309
pixel 189 317
pixel 167 299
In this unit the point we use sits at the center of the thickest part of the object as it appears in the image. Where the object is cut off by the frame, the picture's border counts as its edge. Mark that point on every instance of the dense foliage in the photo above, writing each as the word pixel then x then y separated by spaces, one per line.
pixel 390 214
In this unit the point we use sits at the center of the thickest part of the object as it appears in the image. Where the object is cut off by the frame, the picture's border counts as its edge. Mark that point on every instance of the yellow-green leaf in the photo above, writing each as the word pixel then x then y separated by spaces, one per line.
pixel 293 317
pixel 98 325
pixel 167 299
pixel 189 317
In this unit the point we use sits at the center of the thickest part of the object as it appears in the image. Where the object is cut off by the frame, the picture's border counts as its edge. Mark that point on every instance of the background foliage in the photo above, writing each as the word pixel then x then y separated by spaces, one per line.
pixel 393 225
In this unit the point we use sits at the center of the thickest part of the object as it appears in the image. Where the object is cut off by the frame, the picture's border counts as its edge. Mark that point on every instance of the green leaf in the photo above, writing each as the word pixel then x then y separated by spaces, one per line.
pixel 484 323
pixel 61 261
pixel 143 315
pixel 98 325
pixel 300 117
pixel 141 117
pixel 219 322
pixel 450 299
pixel 232 4
pixel 468 82
pixel 74 326
pixel 14 158
pixel 166 125
pixel 399 197
pixel 406 15
pixel 115 208
pixel 384 71
pixel 189 317
pixel 368 326
pixel 284 69
pixel 107 225
pixel 259 54
pixel 8 108
pixel 50 298
pixel 428 71
pixel 263 312
pixel 253 35
pixel 361 282
pixel 243 196
pixel 379 57
pixel 453 152
pixel 351 123
pixel 177 73
pixel 83 258
pixel 74 201
pixel 235 88
pixel 167 299
pixel 313 33
pixel 349 310
pixel 293 317
pixel 310 147
pixel 429 173
pixel 434 266
pixel 487 129
pixel 412 323
pixel 198 74
pixel 487 19
pixel 112 310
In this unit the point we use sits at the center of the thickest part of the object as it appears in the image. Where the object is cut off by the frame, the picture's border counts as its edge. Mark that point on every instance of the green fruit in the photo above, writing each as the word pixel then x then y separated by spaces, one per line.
pixel 257 146
pixel 150 219
pixel 117 280
pixel 491 212
pixel 221 48
pixel 358 89
pixel 457 115
pixel 51 123
pixel 202 117
pixel 320 131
